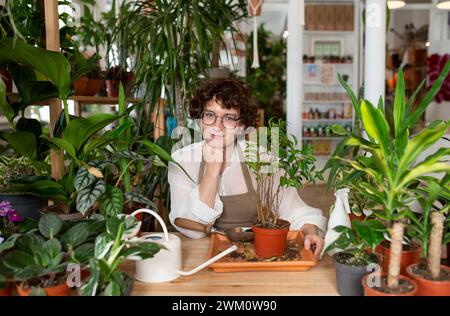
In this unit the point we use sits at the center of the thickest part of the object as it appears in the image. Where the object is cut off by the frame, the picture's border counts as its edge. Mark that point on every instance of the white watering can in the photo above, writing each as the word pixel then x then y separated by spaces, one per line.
pixel 166 264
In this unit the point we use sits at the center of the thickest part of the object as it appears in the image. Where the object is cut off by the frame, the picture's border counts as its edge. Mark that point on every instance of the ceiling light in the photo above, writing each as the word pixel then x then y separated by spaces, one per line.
pixel 395 4
pixel 443 5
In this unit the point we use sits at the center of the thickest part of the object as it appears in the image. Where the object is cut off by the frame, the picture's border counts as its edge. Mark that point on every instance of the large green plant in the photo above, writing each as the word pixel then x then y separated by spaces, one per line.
pixel 174 41
pixel 389 155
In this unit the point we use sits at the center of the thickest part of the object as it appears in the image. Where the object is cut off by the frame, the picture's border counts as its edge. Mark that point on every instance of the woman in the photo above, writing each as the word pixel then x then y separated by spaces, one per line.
pixel 224 193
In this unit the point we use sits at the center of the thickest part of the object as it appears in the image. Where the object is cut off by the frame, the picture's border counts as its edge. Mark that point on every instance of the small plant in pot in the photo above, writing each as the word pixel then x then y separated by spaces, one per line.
pixel 39 258
pixel 433 279
pixel 276 169
pixel 356 257
pixel 111 249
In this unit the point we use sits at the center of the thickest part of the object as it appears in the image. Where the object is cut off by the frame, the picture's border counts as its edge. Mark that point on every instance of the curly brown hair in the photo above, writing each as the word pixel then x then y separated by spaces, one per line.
pixel 229 93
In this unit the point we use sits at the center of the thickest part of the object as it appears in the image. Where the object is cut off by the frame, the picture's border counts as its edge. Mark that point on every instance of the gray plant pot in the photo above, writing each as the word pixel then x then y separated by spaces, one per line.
pixel 130 283
pixel 26 205
pixel 348 278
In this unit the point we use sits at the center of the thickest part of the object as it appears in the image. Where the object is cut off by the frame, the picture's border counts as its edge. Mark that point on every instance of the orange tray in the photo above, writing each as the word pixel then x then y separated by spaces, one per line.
pixel 220 242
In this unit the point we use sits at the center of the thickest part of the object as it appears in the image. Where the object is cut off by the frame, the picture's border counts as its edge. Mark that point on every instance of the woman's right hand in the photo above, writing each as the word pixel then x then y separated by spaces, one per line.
pixel 214 159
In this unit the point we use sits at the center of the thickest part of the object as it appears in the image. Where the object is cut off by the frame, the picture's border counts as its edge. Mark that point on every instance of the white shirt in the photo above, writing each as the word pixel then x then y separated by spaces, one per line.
pixel 185 201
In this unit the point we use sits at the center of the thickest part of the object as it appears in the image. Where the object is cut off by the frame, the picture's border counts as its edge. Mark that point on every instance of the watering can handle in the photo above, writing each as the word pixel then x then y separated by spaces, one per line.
pixel 160 220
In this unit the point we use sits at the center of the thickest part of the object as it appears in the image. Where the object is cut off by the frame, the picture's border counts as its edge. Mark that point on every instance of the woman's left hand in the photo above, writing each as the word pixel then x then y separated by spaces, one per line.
pixel 312 239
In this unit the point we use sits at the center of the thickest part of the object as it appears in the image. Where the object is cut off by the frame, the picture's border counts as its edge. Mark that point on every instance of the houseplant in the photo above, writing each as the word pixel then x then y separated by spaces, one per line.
pixel 356 257
pixel 174 41
pixel 39 258
pixel 393 167
pixel 276 169
pixel 111 249
pixel 432 278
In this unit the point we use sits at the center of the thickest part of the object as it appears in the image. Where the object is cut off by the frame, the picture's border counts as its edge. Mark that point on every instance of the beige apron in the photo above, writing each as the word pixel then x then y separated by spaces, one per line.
pixel 239 209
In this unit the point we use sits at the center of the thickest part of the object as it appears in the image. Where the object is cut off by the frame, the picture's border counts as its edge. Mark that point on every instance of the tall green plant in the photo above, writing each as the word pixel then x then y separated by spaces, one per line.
pixel 174 41
pixel 389 157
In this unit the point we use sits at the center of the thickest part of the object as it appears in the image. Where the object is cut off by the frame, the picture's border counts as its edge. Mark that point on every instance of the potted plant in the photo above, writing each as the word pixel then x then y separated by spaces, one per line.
pixel 292 165
pixel 432 278
pixel 394 169
pixel 39 258
pixel 111 249
pixel 356 256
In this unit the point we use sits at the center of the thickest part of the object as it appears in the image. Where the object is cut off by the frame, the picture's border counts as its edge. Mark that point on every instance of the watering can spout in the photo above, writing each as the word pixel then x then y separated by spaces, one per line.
pixel 207 263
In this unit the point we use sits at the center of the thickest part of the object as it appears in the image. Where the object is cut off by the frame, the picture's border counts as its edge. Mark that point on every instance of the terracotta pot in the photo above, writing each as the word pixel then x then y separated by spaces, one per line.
pixel 80 85
pixel 7 79
pixel 371 291
pixel 93 86
pixel 59 290
pixel 408 258
pixel 112 87
pixel 6 291
pixel 270 242
pixel 427 287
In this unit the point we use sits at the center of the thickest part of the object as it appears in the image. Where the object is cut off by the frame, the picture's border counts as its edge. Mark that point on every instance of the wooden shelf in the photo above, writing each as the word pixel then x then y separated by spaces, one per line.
pixel 81 99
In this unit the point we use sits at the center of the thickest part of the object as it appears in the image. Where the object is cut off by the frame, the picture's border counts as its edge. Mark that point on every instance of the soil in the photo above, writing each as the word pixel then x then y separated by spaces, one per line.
pixel 404 286
pixel 280 224
pixel 387 244
pixel 246 252
pixel 421 271
pixel 350 260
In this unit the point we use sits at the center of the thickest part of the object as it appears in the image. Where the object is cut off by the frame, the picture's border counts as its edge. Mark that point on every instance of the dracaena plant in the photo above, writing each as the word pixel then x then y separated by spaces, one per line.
pixel 357 241
pixel 389 156
pixel 277 163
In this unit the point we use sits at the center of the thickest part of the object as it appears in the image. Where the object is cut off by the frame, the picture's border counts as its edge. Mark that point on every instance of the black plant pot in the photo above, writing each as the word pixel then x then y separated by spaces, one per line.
pixel 348 277
pixel 26 205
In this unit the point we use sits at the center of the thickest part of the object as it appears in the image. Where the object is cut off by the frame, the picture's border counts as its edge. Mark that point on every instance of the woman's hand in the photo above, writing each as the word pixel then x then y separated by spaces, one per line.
pixel 312 239
pixel 214 160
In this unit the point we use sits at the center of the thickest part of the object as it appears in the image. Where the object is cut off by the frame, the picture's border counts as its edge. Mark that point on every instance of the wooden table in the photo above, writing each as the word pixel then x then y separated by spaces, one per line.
pixel 319 280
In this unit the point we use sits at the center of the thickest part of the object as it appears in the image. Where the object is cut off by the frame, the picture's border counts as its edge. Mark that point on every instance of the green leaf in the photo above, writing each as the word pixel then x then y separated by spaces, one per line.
pixel 52 65
pixel 83 253
pixel 4 105
pixel 139 198
pixel 50 224
pixel 414 117
pixel 376 126
pixel 80 130
pixel 88 196
pixel 352 96
pixel 63 144
pixel 112 289
pixel 90 288
pixel 76 235
pixel 111 203
pixel 83 179
pixel 22 142
pixel 17 260
pixel 9 243
pixel 399 105
pixel 52 248
pixel 423 168
pixel 103 244
pixel 370 231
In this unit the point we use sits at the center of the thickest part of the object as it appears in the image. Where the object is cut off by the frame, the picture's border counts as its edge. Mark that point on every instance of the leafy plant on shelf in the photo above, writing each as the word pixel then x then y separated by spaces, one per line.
pixel 39 258
pixel 111 249
pixel 355 244
pixel 292 165
pixel 389 157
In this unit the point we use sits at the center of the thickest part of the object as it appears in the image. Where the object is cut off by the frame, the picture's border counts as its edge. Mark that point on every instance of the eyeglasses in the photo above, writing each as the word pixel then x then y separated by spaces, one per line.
pixel 229 121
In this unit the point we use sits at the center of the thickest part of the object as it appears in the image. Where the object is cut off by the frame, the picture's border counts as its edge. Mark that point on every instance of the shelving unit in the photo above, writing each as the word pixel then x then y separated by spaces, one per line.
pixel 329 52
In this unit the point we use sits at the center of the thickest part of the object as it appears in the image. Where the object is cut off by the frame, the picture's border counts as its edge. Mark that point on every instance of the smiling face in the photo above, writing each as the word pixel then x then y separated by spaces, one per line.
pixel 216 134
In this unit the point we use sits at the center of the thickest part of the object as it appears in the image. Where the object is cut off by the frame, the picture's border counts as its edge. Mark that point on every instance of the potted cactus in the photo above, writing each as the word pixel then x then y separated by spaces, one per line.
pixel 293 167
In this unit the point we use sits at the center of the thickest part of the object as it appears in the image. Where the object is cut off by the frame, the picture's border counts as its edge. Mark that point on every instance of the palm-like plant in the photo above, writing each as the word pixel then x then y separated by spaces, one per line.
pixel 389 157
pixel 174 44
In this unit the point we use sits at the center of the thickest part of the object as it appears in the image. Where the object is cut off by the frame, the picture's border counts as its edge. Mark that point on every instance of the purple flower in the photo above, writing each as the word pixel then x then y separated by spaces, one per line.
pixel 6 208
pixel 14 217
